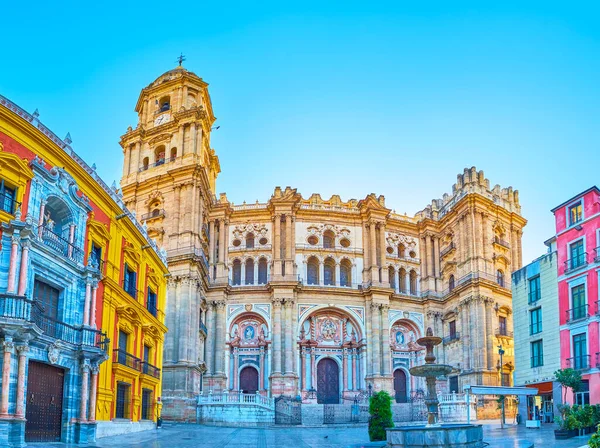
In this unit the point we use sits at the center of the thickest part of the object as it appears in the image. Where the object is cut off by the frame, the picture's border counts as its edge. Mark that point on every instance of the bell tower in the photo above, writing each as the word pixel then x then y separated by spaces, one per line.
pixel 169 175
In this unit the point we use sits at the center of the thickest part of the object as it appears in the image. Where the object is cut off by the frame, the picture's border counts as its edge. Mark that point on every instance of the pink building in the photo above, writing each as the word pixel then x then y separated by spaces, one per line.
pixel 578 247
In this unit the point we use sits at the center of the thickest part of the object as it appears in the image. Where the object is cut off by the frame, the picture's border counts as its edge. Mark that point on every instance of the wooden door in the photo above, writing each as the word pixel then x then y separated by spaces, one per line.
pixel 44 403
pixel 328 382
pixel 400 386
pixel 249 380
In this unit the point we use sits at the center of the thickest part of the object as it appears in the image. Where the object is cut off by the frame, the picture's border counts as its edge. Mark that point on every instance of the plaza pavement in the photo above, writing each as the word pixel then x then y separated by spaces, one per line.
pixel 184 436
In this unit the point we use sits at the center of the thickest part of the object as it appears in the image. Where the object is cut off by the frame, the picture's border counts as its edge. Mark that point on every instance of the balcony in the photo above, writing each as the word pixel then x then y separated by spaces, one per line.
pixel 159 162
pixel 578 313
pixel 577 262
pixel 500 242
pixel 597 257
pixel 8 203
pixel 125 359
pixel 153 214
pixel 579 362
pixel 451 338
pixel 149 369
pixel 503 333
pixel 20 308
pixel 58 244
pixel 447 250
pixel 241 248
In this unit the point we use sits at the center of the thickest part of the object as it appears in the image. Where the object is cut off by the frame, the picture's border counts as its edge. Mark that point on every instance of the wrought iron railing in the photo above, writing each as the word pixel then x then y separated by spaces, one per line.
pixel 472 276
pixel 503 332
pixel 8 203
pixel 61 245
pixel 597 257
pixel 578 313
pixel 576 262
pixel 22 308
pixel 153 214
pixel 157 163
pixel 598 359
pixel 501 242
pixel 581 362
pixel 449 248
pixel 450 338
pixel 149 369
pixel 127 359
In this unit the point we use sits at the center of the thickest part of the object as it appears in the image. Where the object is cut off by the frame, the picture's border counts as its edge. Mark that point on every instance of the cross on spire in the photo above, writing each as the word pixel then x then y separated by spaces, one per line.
pixel 181 58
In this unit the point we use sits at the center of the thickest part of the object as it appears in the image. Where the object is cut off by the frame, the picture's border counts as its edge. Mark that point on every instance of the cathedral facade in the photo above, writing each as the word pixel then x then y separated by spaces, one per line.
pixel 318 298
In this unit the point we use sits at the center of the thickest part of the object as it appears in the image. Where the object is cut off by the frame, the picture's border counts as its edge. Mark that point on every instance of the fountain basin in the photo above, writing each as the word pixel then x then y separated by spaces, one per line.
pixel 438 436
pixel 433 370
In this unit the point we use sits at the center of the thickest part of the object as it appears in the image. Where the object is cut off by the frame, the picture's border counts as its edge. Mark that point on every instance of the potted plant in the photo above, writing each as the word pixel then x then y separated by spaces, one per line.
pixel 380 408
pixel 568 425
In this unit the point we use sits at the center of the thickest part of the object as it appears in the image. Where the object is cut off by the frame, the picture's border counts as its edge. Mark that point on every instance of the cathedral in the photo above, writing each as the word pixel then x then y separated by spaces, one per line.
pixel 321 299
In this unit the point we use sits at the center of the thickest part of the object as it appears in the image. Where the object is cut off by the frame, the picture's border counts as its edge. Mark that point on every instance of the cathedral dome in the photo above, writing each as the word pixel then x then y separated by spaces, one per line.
pixel 175 73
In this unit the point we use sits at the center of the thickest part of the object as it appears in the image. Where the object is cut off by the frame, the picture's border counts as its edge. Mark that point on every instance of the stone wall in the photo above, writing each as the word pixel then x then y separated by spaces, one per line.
pixel 114 428
pixel 239 415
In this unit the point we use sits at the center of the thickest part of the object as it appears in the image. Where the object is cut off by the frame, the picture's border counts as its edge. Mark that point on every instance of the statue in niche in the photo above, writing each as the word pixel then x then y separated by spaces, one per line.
pixel 236 336
pixel 249 333
pixel 399 338
pixel 48 222
pixel 261 336
pixel 328 329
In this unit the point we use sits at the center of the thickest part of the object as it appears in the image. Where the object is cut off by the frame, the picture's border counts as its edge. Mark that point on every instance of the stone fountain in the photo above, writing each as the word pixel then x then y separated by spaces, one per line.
pixel 434 434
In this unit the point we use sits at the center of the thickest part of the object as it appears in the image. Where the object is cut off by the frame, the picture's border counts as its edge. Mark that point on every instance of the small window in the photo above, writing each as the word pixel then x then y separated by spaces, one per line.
pixel 7 198
pixel 452 329
pixel 130 281
pixel 173 154
pixel 578 305
pixel 401 251
pixel 412 254
pixel 502 329
pixel 346 273
pixel 500 277
pixel 151 302
pixel 262 271
pixel 263 241
pixel 535 321
pixel 575 213
pixel 312 268
pixel 328 239
pixel 145 163
pixel 313 240
pixel 451 283
pixel 537 353
pixel 249 280
pixel 164 104
pixel 329 272
pixel 390 250
pixel 453 384
pixel 345 242
pixel 534 290
pixel 577 255
pixel 582 397
pixel 250 241
pixel 236 243
pixel 237 272
pixel 96 254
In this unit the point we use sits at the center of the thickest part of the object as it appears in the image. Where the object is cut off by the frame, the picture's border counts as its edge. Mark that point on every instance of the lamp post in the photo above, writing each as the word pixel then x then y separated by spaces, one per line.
pixel 500 368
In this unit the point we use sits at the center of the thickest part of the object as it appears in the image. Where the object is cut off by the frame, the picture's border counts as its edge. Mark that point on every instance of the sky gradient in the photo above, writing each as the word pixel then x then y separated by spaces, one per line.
pixel 335 98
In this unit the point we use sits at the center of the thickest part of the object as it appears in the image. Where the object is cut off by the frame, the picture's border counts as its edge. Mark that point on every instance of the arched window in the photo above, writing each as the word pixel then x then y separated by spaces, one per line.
pixel 413 283
pixel 451 283
pixel 500 277
pixel 328 239
pixel 164 104
pixel 346 273
pixel 329 272
pixel 312 268
pixel 145 163
pixel 173 154
pixel 262 271
pixel 250 241
pixel 249 271
pixel 402 280
pixel 401 250
pixel 159 155
pixel 392 276
pixel 237 272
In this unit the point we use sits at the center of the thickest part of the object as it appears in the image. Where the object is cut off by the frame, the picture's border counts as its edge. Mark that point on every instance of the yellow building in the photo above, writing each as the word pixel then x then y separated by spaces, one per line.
pixel 82 295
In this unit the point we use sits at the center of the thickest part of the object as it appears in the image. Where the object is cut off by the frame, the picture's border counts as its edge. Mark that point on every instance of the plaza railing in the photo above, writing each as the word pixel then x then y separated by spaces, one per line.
pixel 236 398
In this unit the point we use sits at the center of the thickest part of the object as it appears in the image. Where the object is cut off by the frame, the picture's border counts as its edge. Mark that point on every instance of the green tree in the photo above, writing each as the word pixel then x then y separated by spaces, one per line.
pixel 380 408
pixel 568 379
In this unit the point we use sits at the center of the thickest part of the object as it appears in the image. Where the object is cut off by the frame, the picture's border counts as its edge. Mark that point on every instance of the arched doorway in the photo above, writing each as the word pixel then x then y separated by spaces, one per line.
pixel 400 386
pixel 249 380
pixel 328 382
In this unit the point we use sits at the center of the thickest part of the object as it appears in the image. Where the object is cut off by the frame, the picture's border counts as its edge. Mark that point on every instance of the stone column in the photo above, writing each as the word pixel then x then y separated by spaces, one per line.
pixel 428 249
pixel 277 246
pixel 220 337
pixel 276 336
pixel 85 376
pixel 289 368
pixel 41 218
pixel 22 351
pixel 88 298
pixel 127 161
pixel 261 378
pixel 302 375
pixel 345 370
pixel 8 348
pixel 71 240
pixel 288 237
pixel 423 255
pixel 136 159
pixel 211 242
pixel 488 331
pixel 484 242
pixel 376 319
pixel 354 369
pixel 236 364
pixel 243 273
pixel 436 255
pixel 321 273
pixel 24 268
pixel 385 340
pixel 365 239
pixel 93 310
pixel 373 244
pixel 12 269
pixel 337 273
pixel 382 255
pixel 313 369
pixel 255 265
pixel 397 279
pixel 93 392
pixel 210 337
pixel 193 139
pixel 222 241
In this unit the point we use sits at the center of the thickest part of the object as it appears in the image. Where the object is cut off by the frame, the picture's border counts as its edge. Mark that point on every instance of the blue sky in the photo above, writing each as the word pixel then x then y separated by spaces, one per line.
pixel 334 97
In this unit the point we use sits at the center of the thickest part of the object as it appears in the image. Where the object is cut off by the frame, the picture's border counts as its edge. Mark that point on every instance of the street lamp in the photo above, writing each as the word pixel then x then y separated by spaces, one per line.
pixel 500 367
pixel 370 389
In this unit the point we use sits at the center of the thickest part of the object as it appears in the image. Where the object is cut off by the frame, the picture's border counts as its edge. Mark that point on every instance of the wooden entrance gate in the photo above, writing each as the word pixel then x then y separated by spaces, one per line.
pixel 44 403
pixel 249 380
pixel 328 382
pixel 400 386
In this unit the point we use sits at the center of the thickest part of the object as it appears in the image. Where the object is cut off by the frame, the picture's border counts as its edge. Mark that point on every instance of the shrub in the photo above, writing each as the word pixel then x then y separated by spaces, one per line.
pixel 568 378
pixel 594 441
pixel 380 408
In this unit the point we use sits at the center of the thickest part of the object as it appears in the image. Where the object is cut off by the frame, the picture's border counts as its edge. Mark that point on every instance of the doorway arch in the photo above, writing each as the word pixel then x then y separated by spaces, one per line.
pixel 400 386
pixel 248 380
pixel 328 382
